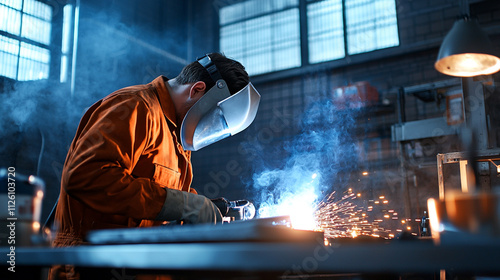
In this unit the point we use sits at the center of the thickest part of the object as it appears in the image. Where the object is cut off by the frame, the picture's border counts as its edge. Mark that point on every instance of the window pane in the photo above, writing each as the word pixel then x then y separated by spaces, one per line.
pixel 266 43
pixel 20 60
pixel 36 29
pixel 9 45
pixel 253 8
pixel 371 25
pixel 38 9
pixel 286 40
pixel 325 31
pixel 67 16
pixel 33 63
pixel 10 20
pixel 9 49
pixel 16 4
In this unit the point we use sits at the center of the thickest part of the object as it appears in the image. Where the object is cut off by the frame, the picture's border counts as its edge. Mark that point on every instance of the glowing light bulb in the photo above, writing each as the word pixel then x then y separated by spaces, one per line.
pixel 468 62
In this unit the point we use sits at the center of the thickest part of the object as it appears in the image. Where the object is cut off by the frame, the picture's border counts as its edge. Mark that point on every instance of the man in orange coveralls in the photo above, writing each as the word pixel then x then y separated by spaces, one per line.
pixel 129 164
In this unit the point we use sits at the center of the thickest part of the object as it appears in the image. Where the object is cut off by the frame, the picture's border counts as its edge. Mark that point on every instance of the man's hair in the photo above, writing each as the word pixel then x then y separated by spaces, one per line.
pixel 232 72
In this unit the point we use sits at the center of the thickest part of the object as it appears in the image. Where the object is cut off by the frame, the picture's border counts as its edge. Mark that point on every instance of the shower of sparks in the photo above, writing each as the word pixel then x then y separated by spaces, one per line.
pixel 350 216
pixel 338 215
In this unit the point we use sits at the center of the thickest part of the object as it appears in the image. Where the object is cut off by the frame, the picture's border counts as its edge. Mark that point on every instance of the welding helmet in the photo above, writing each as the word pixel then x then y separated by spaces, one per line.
pixel 218 114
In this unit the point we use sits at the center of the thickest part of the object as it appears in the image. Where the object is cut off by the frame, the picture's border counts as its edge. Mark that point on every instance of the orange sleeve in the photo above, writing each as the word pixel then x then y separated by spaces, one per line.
pixel 103 155
pixel 191 190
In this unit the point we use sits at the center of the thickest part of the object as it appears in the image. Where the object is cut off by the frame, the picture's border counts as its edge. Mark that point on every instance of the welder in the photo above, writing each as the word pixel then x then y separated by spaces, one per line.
pixel 129 164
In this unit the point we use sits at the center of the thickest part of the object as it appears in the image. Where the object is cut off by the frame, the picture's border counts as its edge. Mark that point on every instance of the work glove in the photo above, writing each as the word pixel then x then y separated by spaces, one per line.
pixel 222 204
pixel 189 207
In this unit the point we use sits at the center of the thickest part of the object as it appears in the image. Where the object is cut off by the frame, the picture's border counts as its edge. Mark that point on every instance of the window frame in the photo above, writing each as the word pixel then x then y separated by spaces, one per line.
pixel 306 66
pixel 20 40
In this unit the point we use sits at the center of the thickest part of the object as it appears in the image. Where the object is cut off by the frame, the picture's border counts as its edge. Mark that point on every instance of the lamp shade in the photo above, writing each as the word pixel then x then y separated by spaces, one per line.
pixel 466 51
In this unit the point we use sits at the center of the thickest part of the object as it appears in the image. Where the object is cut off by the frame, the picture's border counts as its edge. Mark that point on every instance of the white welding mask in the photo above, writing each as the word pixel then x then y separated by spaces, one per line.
pixel 218 114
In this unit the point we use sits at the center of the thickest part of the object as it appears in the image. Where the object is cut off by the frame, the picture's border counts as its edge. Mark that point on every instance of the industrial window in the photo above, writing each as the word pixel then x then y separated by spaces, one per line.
pixel 66 42
pixel 263 35
pixel 325 29
pixel 25 27
pixel 369 25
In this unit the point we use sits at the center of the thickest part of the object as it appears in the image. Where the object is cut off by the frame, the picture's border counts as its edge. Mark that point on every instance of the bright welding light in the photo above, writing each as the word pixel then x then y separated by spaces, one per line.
pixel 299 206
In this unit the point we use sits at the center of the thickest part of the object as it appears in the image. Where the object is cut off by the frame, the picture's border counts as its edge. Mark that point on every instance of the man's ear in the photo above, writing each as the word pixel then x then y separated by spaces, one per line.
pixel 197 90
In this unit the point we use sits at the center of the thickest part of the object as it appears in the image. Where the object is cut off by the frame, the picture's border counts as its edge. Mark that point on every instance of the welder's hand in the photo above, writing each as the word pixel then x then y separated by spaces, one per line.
pixel 222 204
pixel 189 207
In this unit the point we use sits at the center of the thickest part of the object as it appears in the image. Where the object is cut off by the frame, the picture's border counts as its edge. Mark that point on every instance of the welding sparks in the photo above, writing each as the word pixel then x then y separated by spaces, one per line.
pixel 338 214
pixel 350 216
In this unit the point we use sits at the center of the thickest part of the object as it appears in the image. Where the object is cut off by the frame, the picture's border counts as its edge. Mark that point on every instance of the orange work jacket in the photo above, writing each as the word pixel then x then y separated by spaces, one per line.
pixel 126 151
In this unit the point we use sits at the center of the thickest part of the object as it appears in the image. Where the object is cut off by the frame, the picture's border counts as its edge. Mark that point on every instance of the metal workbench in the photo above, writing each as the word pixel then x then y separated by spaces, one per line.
pixel 263 260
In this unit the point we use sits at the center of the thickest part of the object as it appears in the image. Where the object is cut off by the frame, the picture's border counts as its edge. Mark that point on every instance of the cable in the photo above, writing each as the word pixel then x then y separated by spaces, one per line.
pixel 42 148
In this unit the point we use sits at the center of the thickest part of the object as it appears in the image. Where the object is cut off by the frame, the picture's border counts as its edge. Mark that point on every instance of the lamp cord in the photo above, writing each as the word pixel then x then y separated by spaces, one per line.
pixel 464 8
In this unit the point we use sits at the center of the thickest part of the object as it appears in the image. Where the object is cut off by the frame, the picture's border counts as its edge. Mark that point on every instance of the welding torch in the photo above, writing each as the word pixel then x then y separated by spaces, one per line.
pixel 235 210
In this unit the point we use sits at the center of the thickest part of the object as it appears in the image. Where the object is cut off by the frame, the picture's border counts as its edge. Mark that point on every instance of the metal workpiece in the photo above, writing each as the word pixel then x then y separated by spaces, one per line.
pixel 483 157
pixel 427 128
pixel 280 258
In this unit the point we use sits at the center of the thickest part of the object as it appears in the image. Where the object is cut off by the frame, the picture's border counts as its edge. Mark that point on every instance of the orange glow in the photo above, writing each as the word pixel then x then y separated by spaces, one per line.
pixel 408 228
pixel 36 226
pixel 381 197
pixel 403 221
pixel 386 216
pixel 365 173
pixel 433 218
pixel 358 195
pixel 377 202
pixel 386 201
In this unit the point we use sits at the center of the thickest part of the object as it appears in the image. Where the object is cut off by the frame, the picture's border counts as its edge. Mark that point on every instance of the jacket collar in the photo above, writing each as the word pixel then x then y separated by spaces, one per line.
pixel 166 103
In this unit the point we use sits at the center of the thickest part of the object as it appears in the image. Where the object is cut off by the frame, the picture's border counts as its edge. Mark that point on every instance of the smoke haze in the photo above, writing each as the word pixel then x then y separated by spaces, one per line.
pixel 312 164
